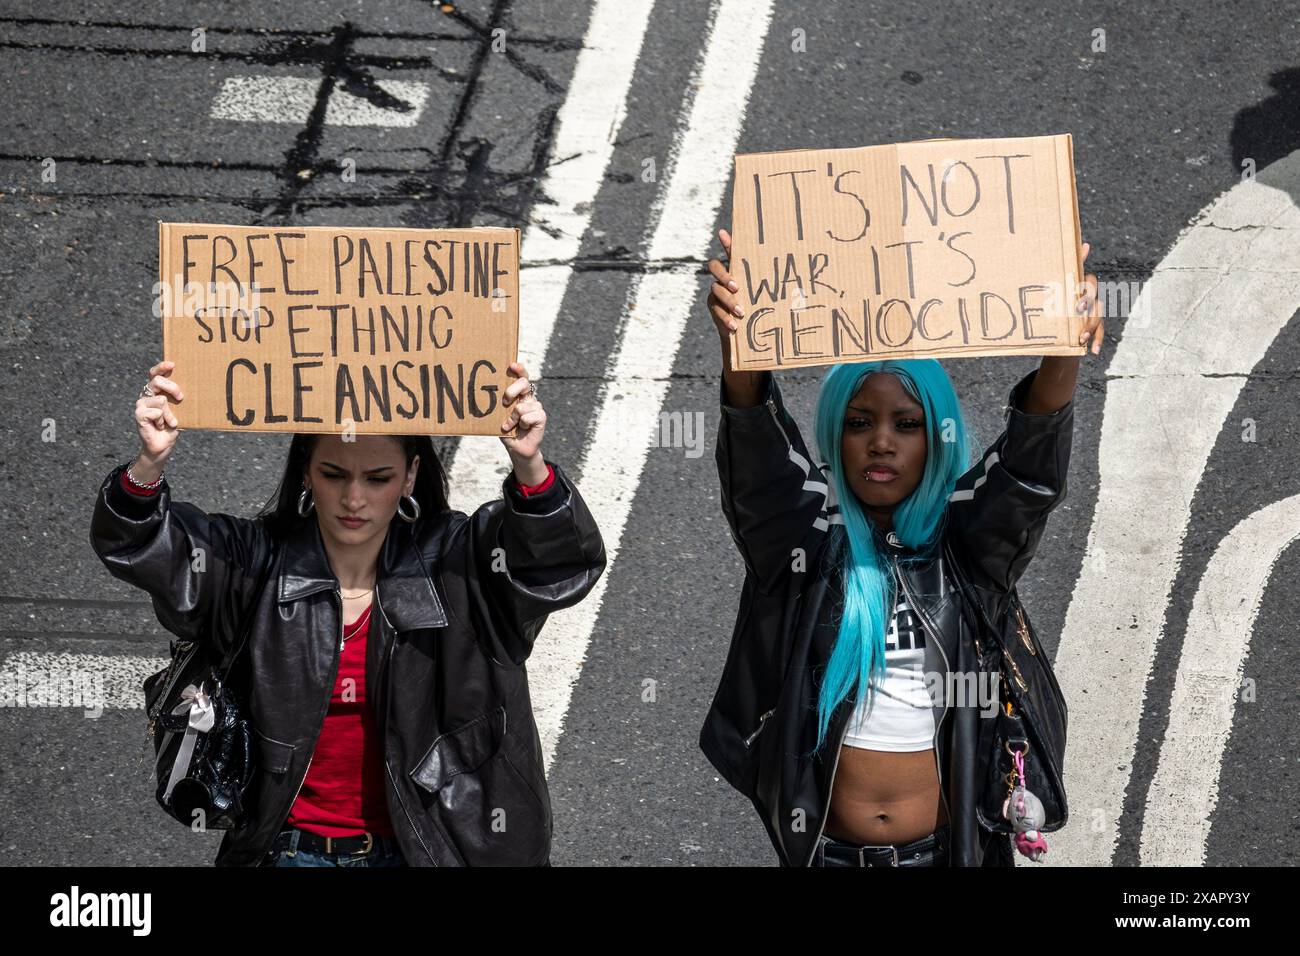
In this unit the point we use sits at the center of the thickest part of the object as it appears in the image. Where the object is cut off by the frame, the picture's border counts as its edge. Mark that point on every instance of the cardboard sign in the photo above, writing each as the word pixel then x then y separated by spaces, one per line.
pixel 318 329
pixel 939 248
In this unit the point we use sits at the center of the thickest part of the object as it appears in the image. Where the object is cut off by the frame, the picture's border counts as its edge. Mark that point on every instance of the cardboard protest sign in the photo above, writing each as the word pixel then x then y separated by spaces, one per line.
pixel 320 329
pixel 938 248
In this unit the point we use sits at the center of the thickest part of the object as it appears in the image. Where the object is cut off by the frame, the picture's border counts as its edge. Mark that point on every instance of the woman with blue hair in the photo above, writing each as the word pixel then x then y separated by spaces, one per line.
pixel 840 712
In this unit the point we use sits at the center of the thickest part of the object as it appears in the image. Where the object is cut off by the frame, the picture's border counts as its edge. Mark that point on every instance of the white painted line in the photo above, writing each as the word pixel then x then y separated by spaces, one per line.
pixel 658 307
pixel 1185 789
pixel 588 124
pixel 1171 385
pixel 587 127
pixel 289 99
pixel 87 681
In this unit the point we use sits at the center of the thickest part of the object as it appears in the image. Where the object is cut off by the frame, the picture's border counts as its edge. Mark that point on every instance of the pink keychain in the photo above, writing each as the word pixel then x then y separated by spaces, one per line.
pixel 1023 810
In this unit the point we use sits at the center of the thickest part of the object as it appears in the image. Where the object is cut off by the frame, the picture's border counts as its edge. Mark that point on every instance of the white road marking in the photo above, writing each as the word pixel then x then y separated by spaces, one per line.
pixel 1185 789
pixel 1227 287
pixel 36 679
pixel 658 307
pixel 289 99
pixel 588 125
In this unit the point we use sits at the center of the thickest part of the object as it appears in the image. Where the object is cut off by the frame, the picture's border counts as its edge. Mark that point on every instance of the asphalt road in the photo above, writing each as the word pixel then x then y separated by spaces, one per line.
pixel 109 126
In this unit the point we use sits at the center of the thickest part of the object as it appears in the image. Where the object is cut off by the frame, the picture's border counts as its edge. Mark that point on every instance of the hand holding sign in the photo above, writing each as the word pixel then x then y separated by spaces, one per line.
pixel 724 303
pixel 155 422
pixel 742 388
pixel 527 413
pixel 1094 329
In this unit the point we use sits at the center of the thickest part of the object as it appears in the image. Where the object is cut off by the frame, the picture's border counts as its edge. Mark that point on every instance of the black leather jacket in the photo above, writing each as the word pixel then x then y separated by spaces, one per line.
pixel 761 729
pixel 444 667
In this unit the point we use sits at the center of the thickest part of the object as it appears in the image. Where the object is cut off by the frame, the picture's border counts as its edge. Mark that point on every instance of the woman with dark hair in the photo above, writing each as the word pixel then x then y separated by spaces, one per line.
pixel 387 635
pixel 835 713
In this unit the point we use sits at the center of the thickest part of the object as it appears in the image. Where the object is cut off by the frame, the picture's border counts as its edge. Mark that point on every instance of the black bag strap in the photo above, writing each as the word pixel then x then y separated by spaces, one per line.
pixel 966 587
pixel 995 633
pixel 243 641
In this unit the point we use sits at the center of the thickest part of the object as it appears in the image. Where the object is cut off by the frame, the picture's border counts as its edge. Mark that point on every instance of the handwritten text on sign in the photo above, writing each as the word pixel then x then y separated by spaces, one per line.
pixel 319 329
pixel 937 248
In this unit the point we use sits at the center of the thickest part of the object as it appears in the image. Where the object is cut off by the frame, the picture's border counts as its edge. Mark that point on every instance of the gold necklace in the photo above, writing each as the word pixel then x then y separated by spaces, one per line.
pixel 355 624
pixel 352 597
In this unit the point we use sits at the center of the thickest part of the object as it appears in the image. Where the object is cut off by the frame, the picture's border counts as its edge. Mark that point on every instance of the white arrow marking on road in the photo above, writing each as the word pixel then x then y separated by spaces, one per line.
pixel 290 99
pixel 1170 387
pixel 1185 789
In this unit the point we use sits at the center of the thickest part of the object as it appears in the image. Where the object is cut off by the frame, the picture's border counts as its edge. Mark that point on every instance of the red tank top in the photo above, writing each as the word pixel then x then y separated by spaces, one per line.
pixel 343 794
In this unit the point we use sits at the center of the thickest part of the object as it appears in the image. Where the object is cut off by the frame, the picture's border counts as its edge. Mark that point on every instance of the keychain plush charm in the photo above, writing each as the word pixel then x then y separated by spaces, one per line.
pixel 1024 811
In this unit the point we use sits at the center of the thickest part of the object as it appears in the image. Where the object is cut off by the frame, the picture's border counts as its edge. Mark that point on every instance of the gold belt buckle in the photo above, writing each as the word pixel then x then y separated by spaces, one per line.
pixel 370 842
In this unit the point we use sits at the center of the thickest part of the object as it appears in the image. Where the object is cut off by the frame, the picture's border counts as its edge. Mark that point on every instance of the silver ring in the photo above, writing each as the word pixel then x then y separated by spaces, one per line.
pixel 147 391
pixel 532 390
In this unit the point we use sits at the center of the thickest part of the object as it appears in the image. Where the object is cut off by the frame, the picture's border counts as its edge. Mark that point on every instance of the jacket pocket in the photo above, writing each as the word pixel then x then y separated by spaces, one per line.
pixel 275 755
pixel 462 750
pixel 475 780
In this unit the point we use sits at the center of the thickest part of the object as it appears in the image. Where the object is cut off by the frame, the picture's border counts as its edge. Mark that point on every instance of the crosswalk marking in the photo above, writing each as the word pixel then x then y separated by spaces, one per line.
pixel 290 99
pixel 86 681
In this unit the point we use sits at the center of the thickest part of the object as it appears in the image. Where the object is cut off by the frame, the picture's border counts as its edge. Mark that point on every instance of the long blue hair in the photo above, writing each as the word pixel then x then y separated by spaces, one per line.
pixel 858 657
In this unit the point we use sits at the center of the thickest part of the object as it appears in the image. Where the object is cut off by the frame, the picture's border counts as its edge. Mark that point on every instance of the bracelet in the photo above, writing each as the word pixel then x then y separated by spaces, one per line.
pixel 140 484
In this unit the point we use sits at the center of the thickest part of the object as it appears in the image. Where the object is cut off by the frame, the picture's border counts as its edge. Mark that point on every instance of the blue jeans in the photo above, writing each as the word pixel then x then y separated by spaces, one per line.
pixel 292 855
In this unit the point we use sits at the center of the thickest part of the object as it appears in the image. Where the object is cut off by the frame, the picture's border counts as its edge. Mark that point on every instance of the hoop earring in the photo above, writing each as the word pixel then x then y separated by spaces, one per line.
pixel 415 505
pixel 311 503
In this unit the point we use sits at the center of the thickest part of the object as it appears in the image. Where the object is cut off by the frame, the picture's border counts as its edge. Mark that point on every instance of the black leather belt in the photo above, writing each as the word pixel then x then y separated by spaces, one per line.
pixel 358 845
pixel 929 850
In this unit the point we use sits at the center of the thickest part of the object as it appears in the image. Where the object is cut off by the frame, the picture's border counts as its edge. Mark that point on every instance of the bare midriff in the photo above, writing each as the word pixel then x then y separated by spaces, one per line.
pixel 884 797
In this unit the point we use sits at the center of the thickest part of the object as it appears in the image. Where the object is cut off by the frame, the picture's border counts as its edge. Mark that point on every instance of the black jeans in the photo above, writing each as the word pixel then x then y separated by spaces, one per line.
pixel 929 850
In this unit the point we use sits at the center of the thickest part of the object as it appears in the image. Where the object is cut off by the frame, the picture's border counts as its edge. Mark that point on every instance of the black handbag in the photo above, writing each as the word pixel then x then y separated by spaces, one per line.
pixel 1031 716
pixel 202 738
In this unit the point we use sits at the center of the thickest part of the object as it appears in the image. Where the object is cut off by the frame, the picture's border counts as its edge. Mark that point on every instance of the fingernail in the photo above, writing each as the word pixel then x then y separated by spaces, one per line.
pixel 738 310
pixel 732 286
pixel 733 326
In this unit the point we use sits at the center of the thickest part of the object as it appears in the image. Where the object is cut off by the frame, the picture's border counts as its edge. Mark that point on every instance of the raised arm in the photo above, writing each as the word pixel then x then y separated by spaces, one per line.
pixel 522 557
pixel 773 493
pixel 997 512
pixel 999 508
pixel 533 551
pixel 201 570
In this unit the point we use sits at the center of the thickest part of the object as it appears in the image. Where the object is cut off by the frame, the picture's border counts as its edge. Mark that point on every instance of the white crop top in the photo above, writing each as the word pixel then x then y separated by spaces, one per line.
pixel 901 716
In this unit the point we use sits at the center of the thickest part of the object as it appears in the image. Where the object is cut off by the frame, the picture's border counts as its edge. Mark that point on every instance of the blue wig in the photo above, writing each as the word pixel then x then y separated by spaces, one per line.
pixel 858 656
